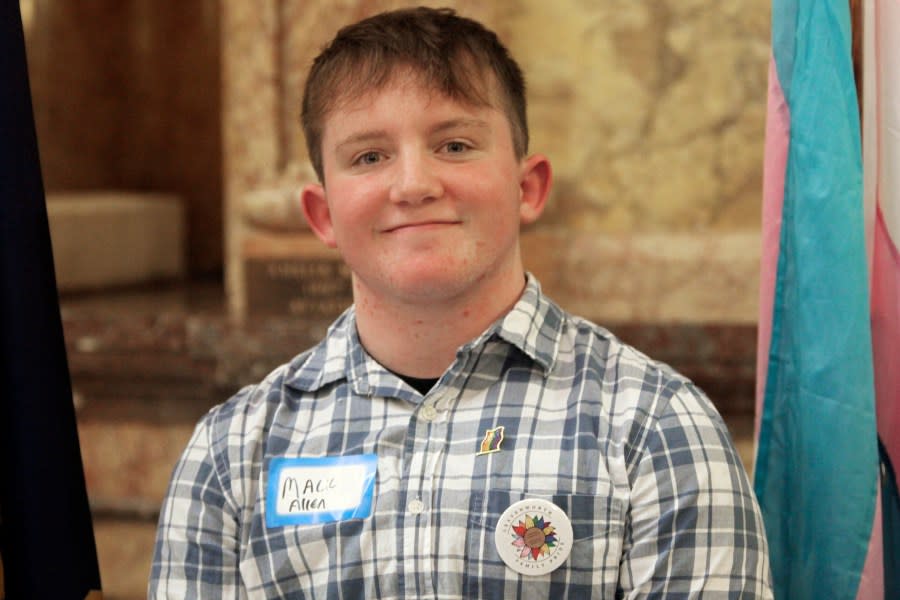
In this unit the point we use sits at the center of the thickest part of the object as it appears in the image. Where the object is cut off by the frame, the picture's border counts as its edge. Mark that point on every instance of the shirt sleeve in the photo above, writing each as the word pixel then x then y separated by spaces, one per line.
pixel 196 553
pixel 694 528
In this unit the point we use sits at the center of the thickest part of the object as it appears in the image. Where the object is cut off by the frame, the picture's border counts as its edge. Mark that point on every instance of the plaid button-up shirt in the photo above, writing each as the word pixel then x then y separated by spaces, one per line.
pixel 632 452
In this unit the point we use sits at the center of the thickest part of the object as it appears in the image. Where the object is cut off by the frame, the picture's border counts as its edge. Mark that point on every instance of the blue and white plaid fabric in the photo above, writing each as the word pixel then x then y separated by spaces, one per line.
pixel 634 454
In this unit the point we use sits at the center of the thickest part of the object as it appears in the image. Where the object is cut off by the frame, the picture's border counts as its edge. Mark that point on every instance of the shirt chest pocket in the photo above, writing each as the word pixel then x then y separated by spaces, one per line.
pixel 590 571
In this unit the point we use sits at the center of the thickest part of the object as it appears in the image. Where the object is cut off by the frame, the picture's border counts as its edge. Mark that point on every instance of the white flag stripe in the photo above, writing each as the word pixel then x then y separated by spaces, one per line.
pixel 889 104
pixel 870 137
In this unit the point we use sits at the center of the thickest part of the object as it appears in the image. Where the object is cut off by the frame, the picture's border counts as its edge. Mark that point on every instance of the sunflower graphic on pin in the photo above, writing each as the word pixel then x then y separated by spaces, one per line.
pixel 534 536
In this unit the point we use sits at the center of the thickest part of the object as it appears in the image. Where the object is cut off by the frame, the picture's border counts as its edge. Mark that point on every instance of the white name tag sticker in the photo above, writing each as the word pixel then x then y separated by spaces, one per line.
pixel 306 491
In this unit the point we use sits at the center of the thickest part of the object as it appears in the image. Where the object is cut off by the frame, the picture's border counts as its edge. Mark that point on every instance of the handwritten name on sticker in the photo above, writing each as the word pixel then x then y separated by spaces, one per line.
pixel 305 491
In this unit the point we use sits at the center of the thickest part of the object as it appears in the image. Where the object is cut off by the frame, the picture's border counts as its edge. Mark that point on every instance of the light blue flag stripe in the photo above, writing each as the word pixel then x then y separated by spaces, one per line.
pixel 817 461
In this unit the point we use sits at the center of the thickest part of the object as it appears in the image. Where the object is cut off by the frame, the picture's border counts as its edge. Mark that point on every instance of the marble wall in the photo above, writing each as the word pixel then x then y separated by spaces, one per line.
pixel 126 96
pixel 652 112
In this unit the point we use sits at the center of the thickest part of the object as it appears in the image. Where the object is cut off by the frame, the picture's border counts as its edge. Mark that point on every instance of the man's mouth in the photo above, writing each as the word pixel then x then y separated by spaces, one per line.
pixel 422 225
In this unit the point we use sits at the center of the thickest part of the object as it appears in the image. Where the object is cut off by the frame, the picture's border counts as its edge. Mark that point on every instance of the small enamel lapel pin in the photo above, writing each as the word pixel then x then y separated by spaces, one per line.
pixel 492 440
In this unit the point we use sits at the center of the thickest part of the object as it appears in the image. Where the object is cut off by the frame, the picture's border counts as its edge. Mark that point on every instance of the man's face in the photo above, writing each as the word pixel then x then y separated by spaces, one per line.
pixel 424 194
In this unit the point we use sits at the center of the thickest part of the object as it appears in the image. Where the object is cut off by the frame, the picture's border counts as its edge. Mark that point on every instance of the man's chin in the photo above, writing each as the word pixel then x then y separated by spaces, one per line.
pixel 429 286
pixel 430 289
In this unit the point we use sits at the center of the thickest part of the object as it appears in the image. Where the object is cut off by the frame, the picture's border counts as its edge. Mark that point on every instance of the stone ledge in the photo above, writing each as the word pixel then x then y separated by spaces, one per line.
pixel 171 367
pixel 147 365
pixel 653 278
pixel 109 238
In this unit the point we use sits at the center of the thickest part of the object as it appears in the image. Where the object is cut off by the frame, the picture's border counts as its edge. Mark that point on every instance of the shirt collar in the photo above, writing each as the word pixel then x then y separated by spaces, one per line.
pixel 534 325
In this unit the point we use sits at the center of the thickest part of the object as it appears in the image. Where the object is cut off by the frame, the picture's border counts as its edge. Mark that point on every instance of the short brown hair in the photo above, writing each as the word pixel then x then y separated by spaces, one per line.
pixel 452 54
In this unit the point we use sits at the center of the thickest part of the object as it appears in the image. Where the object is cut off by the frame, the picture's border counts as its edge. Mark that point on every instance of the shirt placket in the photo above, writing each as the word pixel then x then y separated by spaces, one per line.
pixel 422 455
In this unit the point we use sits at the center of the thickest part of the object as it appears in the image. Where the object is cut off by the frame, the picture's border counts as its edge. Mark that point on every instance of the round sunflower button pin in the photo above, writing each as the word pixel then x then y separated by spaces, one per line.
pixel 533 537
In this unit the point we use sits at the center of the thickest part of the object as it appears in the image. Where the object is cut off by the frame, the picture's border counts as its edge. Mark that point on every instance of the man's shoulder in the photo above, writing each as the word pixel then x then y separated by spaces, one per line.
pixel 256 402
pixel 586 340
pixel 631 380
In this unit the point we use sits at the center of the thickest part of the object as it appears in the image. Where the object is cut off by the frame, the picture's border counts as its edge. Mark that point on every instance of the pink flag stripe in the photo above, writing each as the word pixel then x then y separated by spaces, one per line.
pixel 886 337
pixel 778 127
pixel 886 230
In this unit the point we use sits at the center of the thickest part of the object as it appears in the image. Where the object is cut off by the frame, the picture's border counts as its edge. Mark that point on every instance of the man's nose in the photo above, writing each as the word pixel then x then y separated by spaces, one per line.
pixel 416 179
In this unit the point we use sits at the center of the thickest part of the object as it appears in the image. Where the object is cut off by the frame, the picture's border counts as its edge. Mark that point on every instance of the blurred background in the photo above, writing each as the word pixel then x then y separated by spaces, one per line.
pixel 172 156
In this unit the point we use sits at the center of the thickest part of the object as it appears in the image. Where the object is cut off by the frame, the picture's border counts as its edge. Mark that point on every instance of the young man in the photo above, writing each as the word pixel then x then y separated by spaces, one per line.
pixel 456 434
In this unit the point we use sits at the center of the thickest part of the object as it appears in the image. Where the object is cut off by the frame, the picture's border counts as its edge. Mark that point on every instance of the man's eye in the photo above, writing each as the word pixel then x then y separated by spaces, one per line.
pixel 369 158
pixel 456 147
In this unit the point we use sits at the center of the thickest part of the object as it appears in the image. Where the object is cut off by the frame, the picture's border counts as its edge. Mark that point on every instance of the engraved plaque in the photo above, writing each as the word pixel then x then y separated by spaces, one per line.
pixel 302 287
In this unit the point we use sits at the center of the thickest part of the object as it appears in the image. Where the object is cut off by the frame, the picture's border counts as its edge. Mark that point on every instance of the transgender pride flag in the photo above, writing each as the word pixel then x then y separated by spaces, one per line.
pixel 825 344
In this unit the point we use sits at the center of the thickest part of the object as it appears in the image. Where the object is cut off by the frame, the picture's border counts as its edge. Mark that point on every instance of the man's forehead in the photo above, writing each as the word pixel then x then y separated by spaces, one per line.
pixel 359 97
pixel 350 122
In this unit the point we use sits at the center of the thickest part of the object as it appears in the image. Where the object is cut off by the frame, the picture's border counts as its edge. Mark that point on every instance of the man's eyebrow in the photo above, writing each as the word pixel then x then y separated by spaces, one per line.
pixel 460 124
pixel 362 137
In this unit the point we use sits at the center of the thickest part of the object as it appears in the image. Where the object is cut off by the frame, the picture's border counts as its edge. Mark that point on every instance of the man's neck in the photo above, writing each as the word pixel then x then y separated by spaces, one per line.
pixel 420 339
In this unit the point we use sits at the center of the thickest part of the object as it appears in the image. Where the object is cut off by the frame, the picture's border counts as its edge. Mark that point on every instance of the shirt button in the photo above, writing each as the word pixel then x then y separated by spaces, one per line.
pixel 416 507
pixel 428 412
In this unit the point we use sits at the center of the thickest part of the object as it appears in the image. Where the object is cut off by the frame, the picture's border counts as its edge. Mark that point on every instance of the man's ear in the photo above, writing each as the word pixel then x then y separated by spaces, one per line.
pixel 315 209
pixel 536 180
